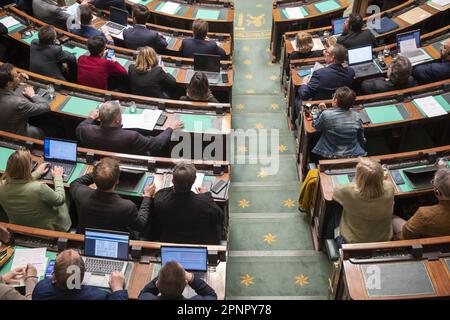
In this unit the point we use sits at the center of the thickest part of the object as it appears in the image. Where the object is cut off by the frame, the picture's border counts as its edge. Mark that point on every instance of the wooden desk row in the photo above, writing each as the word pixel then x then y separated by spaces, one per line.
pixel 396 130
pixel 144 255
pixel 410 269
pixel 336 172
pixel 180 68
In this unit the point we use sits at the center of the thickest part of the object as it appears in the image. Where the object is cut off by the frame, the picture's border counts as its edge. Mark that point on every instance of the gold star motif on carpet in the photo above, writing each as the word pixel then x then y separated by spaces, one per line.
pixel 247 61
pixel 259 5
pixel 259 125
pixel 282 148
pixel 245 49
pixel 301 280
pixel 240 106
pixel 247 280
pixel 249 76
pixel 243 149
pixel 250 91
pixel 275 106
pixel 273 77
pixel 244 203
pixel 289 203
pixel 270 238
pixel 262 174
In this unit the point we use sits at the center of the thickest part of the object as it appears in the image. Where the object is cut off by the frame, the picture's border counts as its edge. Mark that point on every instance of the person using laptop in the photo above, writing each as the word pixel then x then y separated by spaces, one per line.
pixel 16 108
pixel 198 89
pixel 435 71
pixel 324 82
pixel 199 43
pixel 66 284
pixel 110 136
pixel 353 35
pixel 85 28
pixel 170 283
pixel 139 35
pixel 33 203
pixel 95 70
pixel 304 44
pixel 429 221
pixel 398 77
pixel 101 208
pixel 183 216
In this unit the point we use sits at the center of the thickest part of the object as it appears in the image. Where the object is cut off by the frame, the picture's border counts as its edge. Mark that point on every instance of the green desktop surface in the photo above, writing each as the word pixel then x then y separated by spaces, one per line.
pixel 326 6
pixel 4 155
pixel 197 123
pixel 78 172
pixel 384 114
pixel 77 51
pixel 79 106
pixel 138 190
pixel 207 14
pixel 342 179
pixel 123 62
pixel 302 9
pixel 34 36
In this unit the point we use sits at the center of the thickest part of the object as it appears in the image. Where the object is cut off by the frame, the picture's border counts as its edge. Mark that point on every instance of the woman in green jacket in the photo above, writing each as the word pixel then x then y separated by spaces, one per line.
pixel 33 203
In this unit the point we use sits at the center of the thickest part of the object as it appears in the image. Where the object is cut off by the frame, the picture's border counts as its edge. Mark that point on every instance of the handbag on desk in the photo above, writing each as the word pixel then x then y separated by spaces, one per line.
pixel 6 252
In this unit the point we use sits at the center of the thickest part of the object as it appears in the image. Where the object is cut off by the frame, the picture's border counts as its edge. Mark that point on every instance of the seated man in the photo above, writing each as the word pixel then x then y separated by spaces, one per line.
pixel 353 35
pixel 94 70
pixel 16 108
pixel 85 28
pixel 171 282
pixel 431 221
pixel 398 77
pixel 139 36
pixel 183 216
pixel 434 71
pixel 199 43
pixel 48 58
pixel 110 136
pixel 324 82
pixel 101 208
pixel 51 13
pixel 66 285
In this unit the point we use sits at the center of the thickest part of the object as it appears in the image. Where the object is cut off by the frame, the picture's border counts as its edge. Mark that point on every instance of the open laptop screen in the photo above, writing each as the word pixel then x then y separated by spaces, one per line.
pixel 62 150
pixel 106 244
pixel 408 37
pixel 191 258
pixel 118 16
pixel 206 62
pixel 359 55
pixel 338 25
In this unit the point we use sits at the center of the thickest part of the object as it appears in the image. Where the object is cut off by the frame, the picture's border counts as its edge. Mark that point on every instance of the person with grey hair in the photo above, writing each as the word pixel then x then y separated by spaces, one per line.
pixel 110 136
pixel 430 221
pixel 398 77
pixel 183 216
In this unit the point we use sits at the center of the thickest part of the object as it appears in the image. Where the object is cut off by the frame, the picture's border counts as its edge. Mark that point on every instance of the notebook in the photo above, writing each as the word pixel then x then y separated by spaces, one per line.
pixel 415 15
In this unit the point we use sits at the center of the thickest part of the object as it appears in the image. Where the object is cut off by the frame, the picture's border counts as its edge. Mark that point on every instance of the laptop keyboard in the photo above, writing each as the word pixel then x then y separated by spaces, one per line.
pixel 113 27
pixel 103 266
pixel 213 77
pixel 68 169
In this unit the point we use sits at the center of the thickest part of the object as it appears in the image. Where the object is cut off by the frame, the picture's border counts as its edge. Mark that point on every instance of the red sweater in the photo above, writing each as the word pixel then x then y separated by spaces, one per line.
pixel 95 71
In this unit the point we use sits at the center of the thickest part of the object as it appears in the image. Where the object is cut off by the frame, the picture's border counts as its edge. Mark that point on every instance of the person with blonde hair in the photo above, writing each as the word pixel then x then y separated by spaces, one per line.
pixel 304 44
pixel 368 204
pixel 33 203
pixel 198 89
pixel 148 78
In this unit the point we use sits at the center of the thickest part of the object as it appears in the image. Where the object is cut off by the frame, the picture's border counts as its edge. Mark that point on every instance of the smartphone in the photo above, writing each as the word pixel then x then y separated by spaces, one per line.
pixel 149 181
pixel 49 271
pixel 110 54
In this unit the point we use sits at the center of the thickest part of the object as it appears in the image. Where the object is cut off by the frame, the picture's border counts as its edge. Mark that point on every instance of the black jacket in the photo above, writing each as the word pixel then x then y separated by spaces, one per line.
pixel 47 60
pixel 211 99
pixel 106 210
pixel 191 46
pixel 150 83
pixel 186 218
pixel 379 85
pixel 140 36
pixel 116 139
pixel 357 39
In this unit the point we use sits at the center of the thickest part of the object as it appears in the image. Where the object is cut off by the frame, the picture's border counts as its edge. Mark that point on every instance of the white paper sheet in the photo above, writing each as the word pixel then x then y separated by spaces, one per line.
pixel 170 7
pixel 146 120
pixel 294 13
pixel 408 45
pixel 135 1
pixel 9 22
pixel 34 256
pixel 318 45
pixel 430 106
pixel 198 181
pixel 72 10
pixel 317 66
pixel 442 3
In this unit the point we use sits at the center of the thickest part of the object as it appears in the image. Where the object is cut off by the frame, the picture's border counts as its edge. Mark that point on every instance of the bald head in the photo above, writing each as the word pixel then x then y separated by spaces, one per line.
pixel 110 114
pixel 445 50
pixel 65 264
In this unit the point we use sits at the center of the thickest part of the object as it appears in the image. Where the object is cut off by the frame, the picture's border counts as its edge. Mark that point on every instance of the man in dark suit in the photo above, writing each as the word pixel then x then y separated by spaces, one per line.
pixel 199 43
pixel 3 43
pixel 171 282
pixel 101 208
pixel 49 59
pixel 110 136
pixel 182 216
pixel 139 36
pixel 353 36
pixel 51 13
pixel 63 285
pixel 323 82
pixel 435 71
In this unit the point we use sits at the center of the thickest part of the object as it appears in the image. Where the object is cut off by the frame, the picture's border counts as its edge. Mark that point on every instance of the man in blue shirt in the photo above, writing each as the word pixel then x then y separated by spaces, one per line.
pixel 85 28
pixel 435 71
pixel 63 286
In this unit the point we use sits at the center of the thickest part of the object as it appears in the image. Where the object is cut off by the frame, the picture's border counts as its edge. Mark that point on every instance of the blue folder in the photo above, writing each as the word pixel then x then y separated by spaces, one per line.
pixel 386 25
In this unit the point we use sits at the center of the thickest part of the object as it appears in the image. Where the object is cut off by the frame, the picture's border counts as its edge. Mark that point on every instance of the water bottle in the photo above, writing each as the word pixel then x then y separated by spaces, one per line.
pixel 132 107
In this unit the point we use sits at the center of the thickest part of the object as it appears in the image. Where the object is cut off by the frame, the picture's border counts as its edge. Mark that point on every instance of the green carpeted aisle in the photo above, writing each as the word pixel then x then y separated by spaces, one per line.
pixel 270 248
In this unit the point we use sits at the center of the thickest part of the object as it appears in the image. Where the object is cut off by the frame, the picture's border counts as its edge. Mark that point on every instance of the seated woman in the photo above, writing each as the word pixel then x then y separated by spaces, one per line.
pixel 304 44
pixel 147 78
pixel 368 204
pixel 342 132
pixel 198 89
pixel 32 203
pixel 398 77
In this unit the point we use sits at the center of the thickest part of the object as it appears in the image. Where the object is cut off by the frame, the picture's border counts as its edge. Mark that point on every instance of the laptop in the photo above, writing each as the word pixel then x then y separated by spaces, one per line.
pixel 62 153
pixel 408 45
pixel 118 21
pixel 337 26
pixel 104 252
pixel 420 178
pixel 361 60
pixel 209 65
